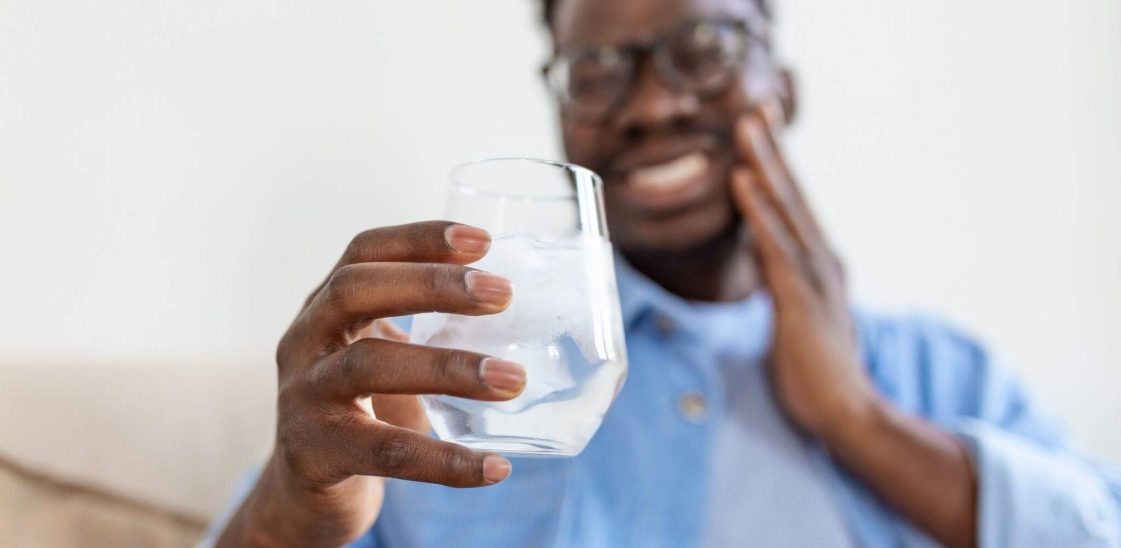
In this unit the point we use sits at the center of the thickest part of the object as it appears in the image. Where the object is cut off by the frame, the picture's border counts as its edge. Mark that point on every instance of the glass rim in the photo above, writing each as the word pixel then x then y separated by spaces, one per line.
pixel 475 190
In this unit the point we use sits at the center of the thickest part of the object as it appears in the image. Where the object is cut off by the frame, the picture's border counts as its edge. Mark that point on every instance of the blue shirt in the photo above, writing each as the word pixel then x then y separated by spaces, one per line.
pixel 762 471
pixel 652 476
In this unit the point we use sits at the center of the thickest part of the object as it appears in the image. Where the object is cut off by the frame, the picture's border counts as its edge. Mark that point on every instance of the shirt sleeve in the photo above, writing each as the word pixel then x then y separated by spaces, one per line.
pixel 1032 494
pixel 1036 487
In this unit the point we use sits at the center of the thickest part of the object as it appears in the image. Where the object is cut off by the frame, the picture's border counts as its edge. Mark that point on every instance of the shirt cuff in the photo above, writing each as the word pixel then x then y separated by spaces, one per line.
pixel 1032 495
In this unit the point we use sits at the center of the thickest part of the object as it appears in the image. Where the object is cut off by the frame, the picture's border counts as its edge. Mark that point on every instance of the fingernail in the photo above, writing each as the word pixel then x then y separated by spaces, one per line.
pixel 495 468
pixel 744 126
pixel 466 239
pixel 772 112
pixel 489 288
pixel 502 375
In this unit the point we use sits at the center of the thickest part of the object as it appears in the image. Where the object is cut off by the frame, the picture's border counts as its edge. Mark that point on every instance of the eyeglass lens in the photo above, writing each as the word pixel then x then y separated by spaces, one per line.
pixel 700 58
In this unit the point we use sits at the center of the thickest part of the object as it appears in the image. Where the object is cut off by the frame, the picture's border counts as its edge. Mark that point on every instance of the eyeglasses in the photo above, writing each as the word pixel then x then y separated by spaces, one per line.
pixel 698 57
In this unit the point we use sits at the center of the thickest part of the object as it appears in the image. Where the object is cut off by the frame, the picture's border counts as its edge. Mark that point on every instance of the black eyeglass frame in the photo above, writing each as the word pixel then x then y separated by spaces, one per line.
pixel 657 49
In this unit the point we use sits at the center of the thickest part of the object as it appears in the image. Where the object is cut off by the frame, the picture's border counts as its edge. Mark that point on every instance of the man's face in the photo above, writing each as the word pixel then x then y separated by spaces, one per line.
pixel 665 155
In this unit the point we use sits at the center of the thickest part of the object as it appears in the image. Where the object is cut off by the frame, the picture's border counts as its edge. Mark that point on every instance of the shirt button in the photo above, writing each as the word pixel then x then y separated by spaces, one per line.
pixel 693 407
pixel 665 325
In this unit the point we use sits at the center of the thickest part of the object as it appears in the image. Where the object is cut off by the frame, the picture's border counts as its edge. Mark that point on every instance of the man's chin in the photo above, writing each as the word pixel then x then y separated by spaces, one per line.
pixel 674 236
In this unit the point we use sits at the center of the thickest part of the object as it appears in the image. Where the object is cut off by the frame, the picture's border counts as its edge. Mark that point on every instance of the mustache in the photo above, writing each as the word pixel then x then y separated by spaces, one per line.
pixel 717 131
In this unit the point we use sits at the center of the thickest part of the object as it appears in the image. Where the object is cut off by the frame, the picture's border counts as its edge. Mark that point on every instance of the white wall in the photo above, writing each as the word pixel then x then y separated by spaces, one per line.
pixel 174 176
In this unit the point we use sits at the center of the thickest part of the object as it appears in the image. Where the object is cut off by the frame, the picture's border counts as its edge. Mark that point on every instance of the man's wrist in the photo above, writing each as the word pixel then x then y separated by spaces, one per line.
pixel 273 515
pixel 915 466
pixel 863 424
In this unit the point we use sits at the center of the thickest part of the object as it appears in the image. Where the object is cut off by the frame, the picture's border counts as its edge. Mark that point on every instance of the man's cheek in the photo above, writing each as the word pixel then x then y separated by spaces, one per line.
pixel 581 143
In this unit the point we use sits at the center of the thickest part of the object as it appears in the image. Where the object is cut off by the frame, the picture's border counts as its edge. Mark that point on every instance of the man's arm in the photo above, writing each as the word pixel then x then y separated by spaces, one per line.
pixel 921 471
pixel 1001 479
pixel 1036 486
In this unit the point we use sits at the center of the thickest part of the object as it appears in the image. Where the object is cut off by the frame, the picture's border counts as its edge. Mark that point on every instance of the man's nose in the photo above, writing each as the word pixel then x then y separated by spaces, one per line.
pixel 652 105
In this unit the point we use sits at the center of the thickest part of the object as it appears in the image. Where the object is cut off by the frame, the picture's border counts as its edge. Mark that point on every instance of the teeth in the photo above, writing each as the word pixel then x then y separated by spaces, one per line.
pixel 672 174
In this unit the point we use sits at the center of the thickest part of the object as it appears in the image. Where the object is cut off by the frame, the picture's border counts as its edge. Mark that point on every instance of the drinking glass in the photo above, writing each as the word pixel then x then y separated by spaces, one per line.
pixel 563 325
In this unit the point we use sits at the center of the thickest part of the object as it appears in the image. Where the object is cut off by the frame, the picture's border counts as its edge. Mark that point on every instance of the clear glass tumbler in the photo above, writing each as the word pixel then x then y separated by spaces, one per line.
pixel 563 325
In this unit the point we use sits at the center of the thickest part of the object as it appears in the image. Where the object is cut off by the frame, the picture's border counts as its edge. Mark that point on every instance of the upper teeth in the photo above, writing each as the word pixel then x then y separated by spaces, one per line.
pixel 670 174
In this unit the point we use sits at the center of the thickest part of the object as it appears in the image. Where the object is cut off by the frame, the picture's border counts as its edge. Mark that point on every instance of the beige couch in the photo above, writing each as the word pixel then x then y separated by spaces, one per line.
pixel 125 455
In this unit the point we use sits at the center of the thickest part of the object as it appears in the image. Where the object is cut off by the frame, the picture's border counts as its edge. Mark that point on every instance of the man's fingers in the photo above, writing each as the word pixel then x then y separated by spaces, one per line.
pixel 771 119
pixel 388 451
pixel 756 143
pixel 772 238
pixel 362 291
pixel 379 366
pixel 779 253
pixel 755 133
pixel 424 242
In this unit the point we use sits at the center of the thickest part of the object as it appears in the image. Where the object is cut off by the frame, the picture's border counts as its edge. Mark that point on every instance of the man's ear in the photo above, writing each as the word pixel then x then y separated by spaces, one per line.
pixel 788 95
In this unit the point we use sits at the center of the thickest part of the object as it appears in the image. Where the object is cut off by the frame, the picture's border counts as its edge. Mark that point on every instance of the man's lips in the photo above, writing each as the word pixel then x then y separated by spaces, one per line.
pixel 671 175
pixel 662 150
pixel 673 183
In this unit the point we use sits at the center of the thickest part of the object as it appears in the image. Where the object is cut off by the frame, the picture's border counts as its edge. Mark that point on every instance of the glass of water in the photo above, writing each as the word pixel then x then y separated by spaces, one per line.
pixel 564 325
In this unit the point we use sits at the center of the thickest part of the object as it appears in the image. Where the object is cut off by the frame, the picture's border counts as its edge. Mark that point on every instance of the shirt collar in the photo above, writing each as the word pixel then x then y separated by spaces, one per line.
pixel 739 328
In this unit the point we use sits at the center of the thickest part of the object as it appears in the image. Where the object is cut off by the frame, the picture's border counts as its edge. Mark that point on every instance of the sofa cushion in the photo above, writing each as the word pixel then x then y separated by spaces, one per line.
pixel 178 436
pixel 37 510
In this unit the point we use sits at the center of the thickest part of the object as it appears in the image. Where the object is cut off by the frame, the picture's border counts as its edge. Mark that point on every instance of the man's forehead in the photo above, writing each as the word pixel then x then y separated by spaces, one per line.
pixel 583 22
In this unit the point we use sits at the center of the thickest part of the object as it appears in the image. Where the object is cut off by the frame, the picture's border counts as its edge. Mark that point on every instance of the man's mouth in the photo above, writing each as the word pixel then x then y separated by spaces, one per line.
pixel 669 176
pixel 670 182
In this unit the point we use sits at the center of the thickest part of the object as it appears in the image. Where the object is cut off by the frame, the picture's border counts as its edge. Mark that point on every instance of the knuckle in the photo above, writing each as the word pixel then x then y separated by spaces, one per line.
pixel 288 396
pixel 350 368
pixel 394 454
pixel 340 287
pixel 452 277
pixel 460 467
pixel 348 365
pixel 291 445
pixel 305 438
pixel 294 445
pixel 363 246
pixel 440 279
pixel 421 235
pixel 295 347
pixel 454 367
pixel 283 350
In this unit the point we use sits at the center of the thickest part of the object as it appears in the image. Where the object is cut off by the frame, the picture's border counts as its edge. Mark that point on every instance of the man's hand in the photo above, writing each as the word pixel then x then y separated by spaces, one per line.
pixel 347 416
pixel 815 367
pixel 816 370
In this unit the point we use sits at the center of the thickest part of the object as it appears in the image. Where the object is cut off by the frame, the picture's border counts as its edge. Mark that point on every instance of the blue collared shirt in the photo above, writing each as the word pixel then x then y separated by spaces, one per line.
pixel 651 476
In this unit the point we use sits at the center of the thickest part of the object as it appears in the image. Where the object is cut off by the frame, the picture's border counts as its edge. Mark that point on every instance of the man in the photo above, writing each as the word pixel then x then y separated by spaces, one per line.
pixel 759 410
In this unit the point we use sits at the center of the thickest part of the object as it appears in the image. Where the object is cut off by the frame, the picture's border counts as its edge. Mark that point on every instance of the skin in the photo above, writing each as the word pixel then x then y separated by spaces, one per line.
pixel 347 414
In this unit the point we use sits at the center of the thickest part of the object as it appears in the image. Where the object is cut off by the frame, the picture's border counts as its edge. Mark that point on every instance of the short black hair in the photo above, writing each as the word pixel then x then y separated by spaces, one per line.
pixel 549 6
